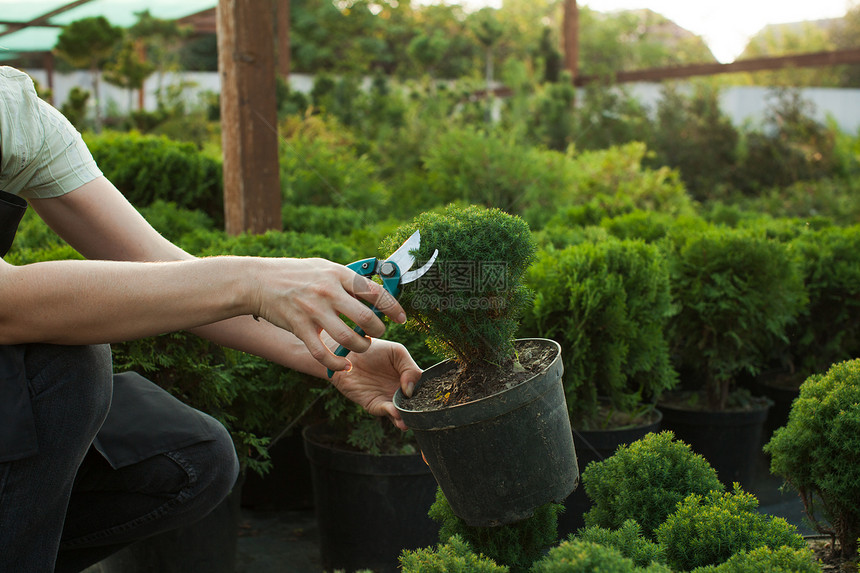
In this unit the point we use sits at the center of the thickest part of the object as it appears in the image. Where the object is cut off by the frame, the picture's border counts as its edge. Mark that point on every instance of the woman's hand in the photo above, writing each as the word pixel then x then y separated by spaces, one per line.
pixel 308 296
pixel 376 375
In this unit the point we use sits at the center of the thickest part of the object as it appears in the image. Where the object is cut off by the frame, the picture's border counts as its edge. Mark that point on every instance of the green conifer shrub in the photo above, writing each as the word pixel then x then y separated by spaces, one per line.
pixel 737 291
pixel 470 302
pixel 452 556
pixel 516 545
pixel 828 329
pixel 709 529
pixel 818 450
pixel 607 304
pixel 781 560
pixel 644 481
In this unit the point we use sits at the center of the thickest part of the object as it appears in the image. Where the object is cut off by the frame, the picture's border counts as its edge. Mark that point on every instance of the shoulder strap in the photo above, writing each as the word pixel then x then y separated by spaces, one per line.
pixel 12 209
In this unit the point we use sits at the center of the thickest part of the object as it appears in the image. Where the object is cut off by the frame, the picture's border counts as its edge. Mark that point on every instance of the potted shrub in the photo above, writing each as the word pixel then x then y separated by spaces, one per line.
pixel 817 452
pixel 737 291
pixel 491 420
pixel 607 303
pixel 827 329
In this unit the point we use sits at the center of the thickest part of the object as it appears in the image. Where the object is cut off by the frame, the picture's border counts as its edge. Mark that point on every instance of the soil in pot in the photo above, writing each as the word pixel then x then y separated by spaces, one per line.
pixel 498 456
pixel 456 386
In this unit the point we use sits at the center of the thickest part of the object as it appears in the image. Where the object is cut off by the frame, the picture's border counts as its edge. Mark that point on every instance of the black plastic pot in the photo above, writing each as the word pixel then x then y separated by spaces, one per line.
pixel 595 446
pixel 369 508
pixel 499 458
pixel 729 440
pixel 782 398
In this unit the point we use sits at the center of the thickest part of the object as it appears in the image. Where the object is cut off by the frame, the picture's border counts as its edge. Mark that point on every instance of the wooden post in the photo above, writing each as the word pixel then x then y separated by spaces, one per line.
pixel 284 39
pixel 570 34
pixel 246 64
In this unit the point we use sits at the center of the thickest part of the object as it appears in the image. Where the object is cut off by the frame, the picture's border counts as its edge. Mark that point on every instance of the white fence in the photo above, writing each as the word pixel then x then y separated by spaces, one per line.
pixel 741 104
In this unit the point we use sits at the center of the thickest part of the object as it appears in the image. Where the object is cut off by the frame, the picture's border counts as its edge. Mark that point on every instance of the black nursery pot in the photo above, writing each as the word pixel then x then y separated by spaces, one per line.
pixel 369 508
pixel 499 458
pixel 730 441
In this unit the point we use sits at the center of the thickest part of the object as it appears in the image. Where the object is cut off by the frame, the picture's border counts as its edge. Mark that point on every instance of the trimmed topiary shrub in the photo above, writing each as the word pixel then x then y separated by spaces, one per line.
pixel 644 481
pixel 470 302
pixel 817 452
pixel 709 529
pixel 516 545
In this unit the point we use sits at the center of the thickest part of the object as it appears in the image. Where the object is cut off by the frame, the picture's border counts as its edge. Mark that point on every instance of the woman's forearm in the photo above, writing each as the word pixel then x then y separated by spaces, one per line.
pixel 85 302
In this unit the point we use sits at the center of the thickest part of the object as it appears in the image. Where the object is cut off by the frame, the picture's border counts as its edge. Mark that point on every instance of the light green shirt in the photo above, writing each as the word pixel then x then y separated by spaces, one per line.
pixel 41 154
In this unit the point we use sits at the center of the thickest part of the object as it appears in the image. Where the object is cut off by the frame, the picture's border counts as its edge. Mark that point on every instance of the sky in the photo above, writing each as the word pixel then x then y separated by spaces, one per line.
pixel 725 25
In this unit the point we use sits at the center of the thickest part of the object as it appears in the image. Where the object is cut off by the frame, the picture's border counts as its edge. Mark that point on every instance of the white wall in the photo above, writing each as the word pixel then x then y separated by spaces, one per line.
pixel 741 104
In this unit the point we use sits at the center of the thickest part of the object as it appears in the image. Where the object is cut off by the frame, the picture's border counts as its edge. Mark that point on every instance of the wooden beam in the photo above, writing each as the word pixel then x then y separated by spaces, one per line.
pixel 284 39
pixel 246 64
pixel 43 19
pixel 570 23
pixel 814 59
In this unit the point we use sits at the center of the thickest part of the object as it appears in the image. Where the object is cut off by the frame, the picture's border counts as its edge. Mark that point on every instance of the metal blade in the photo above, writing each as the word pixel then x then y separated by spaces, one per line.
pixel 403 256
pixel 417 273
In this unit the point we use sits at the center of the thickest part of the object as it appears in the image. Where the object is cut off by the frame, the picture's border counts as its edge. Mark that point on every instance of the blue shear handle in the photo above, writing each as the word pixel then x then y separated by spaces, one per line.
pixel 366 268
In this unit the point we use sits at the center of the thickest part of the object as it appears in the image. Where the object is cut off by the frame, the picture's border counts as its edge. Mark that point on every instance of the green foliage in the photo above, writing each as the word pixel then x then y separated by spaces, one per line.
pixel 516 545
pixel 279 244
pixel 648 226
pixel 818 450
pixel 470 302
pixel 491 169
pixel 146 168
pixel 174 222
pixel 627 540
pixel 780 560
pixel 320 166
pixel 709 529
pixel 453 556
pixel 553 122
pixel 87 42
pixel 835 198
pixel 644 481
pixel 791 146
pixel 693 135
pixel 612 182
pixel 828 328
pixel 75 107
pixel 607 304
pixel 577 556
pixel 738 291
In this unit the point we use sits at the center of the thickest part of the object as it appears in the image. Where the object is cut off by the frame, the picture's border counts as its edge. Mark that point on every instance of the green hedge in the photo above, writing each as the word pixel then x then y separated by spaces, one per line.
pixel 146 168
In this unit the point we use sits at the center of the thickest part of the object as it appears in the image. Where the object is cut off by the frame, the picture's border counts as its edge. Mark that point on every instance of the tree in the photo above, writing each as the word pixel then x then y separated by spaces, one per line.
pixel 87 43
pixel 160 41
pixel 128 70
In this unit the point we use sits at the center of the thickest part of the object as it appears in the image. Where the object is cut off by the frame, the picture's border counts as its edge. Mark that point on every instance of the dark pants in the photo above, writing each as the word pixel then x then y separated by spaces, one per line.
pixel 67 506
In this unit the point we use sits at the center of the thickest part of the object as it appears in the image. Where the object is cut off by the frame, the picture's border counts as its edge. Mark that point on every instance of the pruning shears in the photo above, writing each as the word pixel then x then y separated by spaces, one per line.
pixel 394 272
